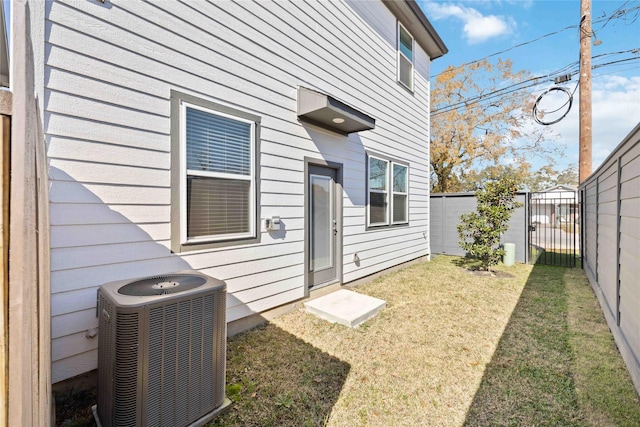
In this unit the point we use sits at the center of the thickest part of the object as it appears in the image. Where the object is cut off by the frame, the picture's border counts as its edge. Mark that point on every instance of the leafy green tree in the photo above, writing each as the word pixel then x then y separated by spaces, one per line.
pixel 474 179
pixel 480 231
pixel 569 176
pixel 547 177
pixel 541 179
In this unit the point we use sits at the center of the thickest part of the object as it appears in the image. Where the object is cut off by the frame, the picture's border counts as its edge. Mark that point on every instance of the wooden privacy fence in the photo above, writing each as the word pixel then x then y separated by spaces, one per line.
pixel 5 136
pixel 26 391
pixel 445 217
pixel 611 241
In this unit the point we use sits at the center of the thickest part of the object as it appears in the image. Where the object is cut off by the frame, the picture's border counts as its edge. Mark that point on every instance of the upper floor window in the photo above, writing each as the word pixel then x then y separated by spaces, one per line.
pixel 217 174
pixel 405 57
pixel 388 192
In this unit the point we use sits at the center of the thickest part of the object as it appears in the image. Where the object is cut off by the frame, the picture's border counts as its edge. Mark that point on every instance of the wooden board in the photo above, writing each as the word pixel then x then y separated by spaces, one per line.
pixel 5 137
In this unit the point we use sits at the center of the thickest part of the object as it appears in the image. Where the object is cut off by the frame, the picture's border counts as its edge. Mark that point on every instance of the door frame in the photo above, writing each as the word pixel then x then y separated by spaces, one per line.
pixel 337 167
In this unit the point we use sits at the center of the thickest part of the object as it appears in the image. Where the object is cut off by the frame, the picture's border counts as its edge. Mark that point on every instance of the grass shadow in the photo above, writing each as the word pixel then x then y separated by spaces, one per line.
pixel 529 380
pixel 541 372
pixel 558 257
pixel 277 379
pixel 273 379
pixel 468 262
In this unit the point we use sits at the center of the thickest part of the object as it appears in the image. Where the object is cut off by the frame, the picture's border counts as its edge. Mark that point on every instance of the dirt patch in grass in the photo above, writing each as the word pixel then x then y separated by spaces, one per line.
pixel 472 266
pixel 485 273
pixel 73 409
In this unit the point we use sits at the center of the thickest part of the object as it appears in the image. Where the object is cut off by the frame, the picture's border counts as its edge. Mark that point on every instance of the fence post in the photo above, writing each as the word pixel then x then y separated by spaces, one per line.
pixel 29 291
pixel 527 228
pixel 583 227
pixel 5 135
pixel 597 228
pixel 618 221
pixel 444 212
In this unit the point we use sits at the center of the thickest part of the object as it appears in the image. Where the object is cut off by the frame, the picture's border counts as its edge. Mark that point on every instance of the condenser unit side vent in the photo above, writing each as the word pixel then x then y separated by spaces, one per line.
pixel 126 368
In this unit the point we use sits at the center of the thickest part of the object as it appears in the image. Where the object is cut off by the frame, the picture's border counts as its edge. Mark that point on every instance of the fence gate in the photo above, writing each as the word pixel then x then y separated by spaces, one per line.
pixel 554 227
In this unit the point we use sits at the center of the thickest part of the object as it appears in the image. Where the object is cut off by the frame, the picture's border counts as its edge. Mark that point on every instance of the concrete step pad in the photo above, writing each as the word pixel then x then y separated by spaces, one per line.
pixel 345 307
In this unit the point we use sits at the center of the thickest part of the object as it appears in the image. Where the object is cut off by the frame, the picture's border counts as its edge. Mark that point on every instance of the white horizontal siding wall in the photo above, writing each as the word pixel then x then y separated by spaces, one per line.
pixel 109 72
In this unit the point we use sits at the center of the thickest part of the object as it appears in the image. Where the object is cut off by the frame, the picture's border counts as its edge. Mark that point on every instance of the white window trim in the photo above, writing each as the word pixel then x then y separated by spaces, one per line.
pixel 184 172
pixel 405 193
pixel 399 52
pixel 369 191
pixel 389 192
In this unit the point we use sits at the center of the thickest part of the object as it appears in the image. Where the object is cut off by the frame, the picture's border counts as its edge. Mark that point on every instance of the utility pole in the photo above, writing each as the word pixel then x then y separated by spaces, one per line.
pixel 584 169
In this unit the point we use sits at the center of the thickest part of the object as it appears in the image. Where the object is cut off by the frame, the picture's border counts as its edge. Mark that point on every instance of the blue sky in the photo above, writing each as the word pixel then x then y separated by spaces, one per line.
pixel 475 29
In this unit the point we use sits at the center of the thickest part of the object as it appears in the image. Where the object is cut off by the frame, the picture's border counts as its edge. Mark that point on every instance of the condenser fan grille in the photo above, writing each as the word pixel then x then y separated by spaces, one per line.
pixel 162 285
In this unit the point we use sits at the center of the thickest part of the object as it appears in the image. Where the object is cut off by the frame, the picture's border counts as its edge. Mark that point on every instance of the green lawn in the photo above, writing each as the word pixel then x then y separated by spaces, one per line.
pixel 526 347
pixel 556 363
pixel 563 258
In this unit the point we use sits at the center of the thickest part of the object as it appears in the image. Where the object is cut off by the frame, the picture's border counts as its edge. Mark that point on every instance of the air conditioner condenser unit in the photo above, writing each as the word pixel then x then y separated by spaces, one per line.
pixel 161 350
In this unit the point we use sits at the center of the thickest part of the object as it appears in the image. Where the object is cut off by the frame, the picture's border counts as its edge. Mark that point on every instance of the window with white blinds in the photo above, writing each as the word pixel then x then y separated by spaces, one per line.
pixel 218 190
pixel 388 191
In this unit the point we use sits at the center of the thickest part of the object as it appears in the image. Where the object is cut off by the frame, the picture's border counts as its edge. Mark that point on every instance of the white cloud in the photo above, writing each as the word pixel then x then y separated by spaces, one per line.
pixel 615 113
pixel 477 27
pixel 525 4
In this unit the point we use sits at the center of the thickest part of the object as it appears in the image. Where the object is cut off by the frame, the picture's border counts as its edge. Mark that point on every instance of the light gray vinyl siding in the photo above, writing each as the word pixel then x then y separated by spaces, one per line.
pixel 590 228
pixel 110 69
pixel 611 236
pixel 446 210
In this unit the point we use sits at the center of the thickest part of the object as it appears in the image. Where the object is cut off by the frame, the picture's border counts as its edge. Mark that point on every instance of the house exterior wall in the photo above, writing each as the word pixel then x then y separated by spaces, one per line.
pixel 611 238
pixel 109 72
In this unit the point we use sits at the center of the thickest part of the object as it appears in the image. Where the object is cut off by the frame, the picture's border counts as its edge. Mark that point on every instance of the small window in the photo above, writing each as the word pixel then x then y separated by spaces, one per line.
pixel 216 181
pixel 388 192
pixel 405 57
pixel 400 194
pixel 378 194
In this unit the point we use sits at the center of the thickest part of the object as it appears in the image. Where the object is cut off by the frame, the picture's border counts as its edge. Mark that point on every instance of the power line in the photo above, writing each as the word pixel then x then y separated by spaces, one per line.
pixel 616 71
pixel 504 51
pixel 614 62
pixel 613 14
pixel 568 103
pixel 525 84
pixel 477 100
pixel 617 14
pixel 501 91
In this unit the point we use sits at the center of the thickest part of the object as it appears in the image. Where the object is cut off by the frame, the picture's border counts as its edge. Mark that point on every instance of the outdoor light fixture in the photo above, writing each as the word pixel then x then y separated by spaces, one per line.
pixel 321 109
pixel 596 40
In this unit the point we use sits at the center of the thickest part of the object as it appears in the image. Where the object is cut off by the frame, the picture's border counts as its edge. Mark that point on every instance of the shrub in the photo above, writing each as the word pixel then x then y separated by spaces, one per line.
pixel 480 231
